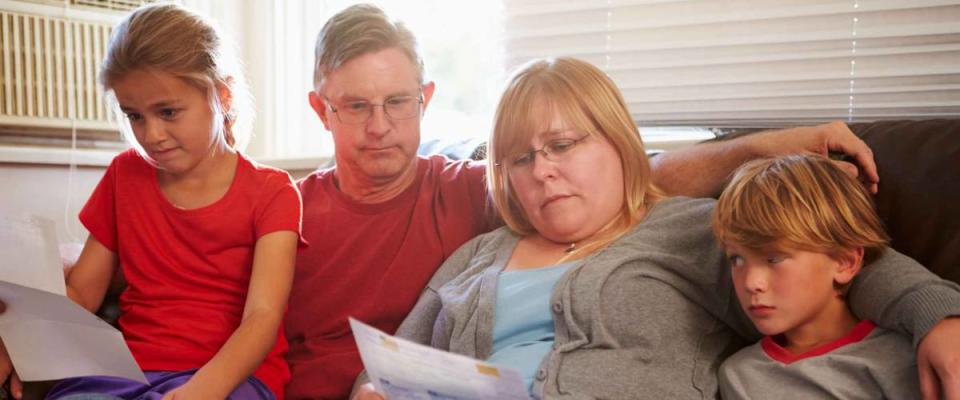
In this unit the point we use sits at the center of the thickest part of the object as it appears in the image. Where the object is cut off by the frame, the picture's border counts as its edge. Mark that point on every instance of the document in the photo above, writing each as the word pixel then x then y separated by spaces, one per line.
pixel 46 334
pixel 29 255
pixel 401 369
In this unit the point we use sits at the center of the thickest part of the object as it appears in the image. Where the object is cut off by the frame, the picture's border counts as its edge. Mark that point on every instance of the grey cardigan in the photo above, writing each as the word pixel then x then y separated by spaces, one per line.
pixel 652 315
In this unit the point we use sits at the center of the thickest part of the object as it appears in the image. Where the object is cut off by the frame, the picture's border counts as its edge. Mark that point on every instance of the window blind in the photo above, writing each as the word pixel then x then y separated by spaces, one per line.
pixel 755 63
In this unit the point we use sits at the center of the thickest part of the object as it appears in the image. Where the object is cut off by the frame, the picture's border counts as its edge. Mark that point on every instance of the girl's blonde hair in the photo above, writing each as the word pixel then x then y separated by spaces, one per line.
pixel 589 102
pixel 800 202
pixel 168 38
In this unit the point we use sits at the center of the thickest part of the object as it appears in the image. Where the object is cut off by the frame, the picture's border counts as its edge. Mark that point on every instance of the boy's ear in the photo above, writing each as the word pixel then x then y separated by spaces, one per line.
pixel 849 262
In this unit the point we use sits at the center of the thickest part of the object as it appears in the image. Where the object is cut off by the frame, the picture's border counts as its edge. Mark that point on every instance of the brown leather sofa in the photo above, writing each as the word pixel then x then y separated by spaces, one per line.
pixel 918 198
pixel 919 191
pixel 919 195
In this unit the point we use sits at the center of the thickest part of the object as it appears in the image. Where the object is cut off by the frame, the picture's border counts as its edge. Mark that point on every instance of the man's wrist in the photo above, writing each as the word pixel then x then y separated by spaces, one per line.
pixel 753 145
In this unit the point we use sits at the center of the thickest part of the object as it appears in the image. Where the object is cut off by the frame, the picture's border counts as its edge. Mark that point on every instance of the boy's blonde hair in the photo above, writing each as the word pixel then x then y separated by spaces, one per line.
pixel 589 102
pixel 357 30
pixel 168 38
pixel 803 202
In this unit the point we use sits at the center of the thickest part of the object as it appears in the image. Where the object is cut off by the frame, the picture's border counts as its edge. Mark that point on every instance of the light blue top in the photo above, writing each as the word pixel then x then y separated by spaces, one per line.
pixel 523 324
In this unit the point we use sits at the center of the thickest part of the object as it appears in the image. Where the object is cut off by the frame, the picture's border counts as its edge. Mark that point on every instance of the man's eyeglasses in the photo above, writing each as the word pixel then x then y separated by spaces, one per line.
pixel 396 108
pixel 554 150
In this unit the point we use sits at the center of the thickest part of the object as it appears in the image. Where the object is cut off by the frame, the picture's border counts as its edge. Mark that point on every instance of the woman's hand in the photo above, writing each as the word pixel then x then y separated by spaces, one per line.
pixel 938 358
pixel 367 392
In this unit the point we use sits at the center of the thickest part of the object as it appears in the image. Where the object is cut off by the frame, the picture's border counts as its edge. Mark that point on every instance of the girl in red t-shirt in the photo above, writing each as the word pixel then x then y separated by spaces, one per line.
pixel 205 238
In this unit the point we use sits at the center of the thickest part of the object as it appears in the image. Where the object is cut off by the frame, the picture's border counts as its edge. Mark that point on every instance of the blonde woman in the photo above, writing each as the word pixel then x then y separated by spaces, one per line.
pixel 598 287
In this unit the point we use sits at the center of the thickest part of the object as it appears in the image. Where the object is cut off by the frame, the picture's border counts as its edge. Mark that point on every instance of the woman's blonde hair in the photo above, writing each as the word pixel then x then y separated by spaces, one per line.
pixel 168 38
pixel 589 102
pixel 802 202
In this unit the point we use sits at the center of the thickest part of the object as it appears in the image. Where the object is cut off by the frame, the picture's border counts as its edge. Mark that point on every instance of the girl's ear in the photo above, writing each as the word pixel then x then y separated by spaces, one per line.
pixel 225 94
pixel 849 262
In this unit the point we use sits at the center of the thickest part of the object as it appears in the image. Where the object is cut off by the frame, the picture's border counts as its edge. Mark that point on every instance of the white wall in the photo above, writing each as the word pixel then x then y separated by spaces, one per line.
pixel 42 190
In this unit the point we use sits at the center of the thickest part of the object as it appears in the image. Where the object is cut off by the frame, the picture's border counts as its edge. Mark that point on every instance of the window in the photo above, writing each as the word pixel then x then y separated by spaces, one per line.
pixel 756 63
pixel 459 41
pixel 49 54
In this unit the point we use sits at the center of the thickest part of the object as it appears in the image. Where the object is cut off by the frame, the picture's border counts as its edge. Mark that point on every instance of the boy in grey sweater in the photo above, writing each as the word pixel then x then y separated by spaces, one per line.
pixel 796 230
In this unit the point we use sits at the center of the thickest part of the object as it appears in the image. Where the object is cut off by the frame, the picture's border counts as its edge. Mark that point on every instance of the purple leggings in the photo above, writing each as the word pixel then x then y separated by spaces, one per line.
pixel 106 387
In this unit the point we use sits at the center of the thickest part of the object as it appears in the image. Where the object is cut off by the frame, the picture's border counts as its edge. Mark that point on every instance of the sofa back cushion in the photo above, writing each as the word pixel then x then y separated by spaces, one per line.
pixel 919 194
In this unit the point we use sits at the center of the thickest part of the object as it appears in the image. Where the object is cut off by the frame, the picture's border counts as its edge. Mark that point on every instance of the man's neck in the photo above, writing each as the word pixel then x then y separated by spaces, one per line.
pixel 372 190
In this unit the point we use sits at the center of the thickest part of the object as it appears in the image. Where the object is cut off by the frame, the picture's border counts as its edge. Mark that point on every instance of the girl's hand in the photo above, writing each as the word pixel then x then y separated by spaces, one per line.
pixel 191 391
pixel 367 392
pixel 6 367
pixel 7 372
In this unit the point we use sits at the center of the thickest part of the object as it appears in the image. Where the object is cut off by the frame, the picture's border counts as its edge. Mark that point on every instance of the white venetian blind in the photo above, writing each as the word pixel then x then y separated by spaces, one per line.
pixel 745 63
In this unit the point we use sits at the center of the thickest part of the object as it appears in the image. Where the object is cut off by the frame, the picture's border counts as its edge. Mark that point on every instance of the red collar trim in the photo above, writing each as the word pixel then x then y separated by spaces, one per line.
pixel 779 353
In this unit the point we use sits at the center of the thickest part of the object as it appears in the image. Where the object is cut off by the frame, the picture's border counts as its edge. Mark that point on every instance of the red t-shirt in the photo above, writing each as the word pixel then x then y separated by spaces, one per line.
pixel 371 262
pixel 188 271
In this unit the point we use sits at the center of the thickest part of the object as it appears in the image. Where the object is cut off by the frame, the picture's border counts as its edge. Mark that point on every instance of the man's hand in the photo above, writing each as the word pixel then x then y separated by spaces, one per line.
pixel 367 392
pixel 938 359
pixel 704 169
pixel 833 137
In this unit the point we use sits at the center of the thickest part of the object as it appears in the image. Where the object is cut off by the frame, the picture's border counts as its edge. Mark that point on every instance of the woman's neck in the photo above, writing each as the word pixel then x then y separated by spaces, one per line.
pixel 535 251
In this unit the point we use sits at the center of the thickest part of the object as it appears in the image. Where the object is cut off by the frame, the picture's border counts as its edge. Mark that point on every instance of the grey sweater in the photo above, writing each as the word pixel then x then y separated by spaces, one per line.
pixel 881 366
pixel 652 315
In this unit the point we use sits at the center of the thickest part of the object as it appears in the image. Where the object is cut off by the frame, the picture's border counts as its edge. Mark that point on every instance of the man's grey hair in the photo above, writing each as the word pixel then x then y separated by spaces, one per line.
pixel 357 30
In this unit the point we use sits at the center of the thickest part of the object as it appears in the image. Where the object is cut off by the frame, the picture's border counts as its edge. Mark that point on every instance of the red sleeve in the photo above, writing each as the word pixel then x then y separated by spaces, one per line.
pixel 99 214
pixel 484 213
pixel 282 208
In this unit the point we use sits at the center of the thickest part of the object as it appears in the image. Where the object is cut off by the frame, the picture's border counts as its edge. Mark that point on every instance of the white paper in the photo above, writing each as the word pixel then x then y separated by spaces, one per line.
pixel 49 337
pixel 401 369
pixel 46 334
pixel 29 255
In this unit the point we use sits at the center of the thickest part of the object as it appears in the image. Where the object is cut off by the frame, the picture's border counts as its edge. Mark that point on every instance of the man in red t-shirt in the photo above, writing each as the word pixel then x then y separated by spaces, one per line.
pixel 383 220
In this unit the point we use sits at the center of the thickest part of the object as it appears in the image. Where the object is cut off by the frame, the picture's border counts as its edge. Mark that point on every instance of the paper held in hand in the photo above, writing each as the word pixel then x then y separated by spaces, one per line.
pixel 47 335
pixel 401 369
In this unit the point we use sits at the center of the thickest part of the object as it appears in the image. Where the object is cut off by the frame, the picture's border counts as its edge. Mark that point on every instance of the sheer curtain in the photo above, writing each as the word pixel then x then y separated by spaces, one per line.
pixel 756 63
pixel 275 42
pixel 459 41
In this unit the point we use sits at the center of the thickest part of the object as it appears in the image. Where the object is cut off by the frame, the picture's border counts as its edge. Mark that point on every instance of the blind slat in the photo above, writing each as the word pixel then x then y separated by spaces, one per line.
pixel 752 61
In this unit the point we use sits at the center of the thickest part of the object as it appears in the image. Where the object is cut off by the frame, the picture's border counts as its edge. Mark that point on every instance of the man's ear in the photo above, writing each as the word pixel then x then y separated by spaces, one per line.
pixel 428 89
pixel 319 106
pixel 849 262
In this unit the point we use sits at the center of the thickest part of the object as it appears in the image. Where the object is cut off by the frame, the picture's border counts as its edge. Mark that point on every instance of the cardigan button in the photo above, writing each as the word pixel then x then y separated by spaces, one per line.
pixel 541 374
pixel 557 308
